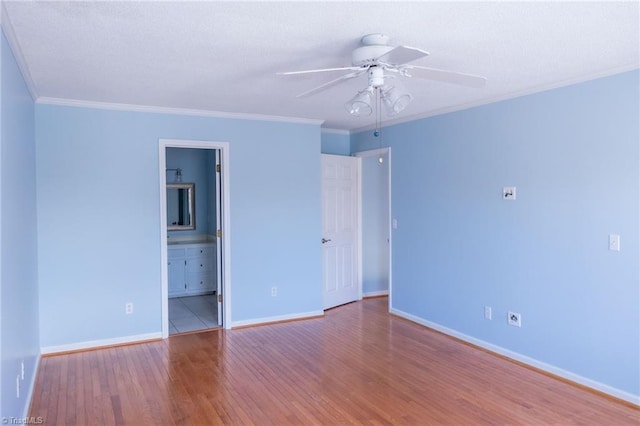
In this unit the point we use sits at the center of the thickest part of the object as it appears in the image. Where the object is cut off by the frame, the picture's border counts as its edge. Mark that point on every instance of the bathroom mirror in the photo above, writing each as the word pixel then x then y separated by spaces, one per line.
pixel 181 206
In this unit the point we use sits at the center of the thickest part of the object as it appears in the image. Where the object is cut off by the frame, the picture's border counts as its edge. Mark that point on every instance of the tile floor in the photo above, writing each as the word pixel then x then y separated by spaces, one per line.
pixel 192 313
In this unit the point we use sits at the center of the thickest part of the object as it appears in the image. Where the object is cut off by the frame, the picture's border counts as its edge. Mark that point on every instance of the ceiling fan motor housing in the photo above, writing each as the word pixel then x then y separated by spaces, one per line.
pixel 368 55
pixel 373 47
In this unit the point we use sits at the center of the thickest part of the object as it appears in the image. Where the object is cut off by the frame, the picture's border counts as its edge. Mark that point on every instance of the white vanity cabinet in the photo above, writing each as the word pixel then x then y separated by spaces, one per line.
pixel 191 269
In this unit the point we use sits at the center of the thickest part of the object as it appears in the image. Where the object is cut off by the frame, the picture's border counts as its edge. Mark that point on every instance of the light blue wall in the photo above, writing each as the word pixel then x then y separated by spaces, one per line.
pixel 196 166
pixel 18 237
pixel 573 154
pixel 92 260
pixel 335 143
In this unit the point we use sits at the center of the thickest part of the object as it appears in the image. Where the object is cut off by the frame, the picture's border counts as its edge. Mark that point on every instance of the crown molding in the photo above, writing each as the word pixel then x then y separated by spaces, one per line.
pixel 174 111
pixel 335 131
pixel 7 29
pixel 507 96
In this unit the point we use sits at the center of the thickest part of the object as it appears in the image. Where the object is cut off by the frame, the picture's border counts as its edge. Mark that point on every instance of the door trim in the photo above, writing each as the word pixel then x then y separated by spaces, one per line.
pixel 371 153
pixel 226 226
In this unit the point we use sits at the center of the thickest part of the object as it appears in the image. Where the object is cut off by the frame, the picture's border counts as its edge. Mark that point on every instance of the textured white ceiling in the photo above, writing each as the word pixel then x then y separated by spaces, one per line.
pixel 223 56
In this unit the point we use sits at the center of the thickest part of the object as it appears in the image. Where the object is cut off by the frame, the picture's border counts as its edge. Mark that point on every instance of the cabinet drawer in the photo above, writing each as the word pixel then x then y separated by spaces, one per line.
pixel 199 265
pixel 200 251
pixel 200 282
pixel 175 254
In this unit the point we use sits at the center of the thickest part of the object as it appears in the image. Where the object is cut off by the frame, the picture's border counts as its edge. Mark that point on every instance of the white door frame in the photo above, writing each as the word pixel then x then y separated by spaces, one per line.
pixel 372 153
pixel 226 234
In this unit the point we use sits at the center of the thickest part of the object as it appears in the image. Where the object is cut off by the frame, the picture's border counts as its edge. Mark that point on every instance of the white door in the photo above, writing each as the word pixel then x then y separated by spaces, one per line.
pixel 339 229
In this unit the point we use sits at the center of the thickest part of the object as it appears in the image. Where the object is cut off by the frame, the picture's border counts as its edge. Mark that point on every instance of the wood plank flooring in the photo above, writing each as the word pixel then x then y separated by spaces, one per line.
pixel 357 365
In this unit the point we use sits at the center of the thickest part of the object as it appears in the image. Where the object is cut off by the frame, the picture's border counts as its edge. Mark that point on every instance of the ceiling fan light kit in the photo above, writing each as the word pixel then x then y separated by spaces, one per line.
pixel 360 104
pixel 395 100
pixel 382 62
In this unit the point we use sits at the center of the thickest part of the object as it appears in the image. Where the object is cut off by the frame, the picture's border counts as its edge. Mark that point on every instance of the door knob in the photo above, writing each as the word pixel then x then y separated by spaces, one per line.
pixel 324 240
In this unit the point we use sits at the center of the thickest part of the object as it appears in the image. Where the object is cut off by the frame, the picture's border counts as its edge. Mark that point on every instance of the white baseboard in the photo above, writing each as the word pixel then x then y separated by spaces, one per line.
pixel 626 396
pixel 94 344
pixel 32 385
pixel 278 318
pixel 376 293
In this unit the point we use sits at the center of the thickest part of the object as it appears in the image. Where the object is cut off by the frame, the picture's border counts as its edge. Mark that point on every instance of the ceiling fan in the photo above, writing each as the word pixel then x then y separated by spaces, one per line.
pixel 383 64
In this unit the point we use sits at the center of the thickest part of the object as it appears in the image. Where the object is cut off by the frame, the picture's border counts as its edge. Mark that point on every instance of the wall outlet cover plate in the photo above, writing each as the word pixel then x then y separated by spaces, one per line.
pixel 508 192
pixel 514 319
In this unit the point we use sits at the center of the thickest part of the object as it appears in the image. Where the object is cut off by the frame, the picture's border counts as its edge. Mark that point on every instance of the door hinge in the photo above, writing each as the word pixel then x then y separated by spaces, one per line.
pixel 219 233
pixel 219 298
pixel 218 168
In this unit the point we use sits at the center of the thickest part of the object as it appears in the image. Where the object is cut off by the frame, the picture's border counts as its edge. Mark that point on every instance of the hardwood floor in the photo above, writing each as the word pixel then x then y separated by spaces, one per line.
pixel 358 365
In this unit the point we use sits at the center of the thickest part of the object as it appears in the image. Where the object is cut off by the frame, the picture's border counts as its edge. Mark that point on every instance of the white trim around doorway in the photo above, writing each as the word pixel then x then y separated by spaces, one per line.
pixel 226 227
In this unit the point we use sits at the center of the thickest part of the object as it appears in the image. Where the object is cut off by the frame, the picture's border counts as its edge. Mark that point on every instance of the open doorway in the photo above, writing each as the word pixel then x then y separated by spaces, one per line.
pixel 194 235
pixel 191 238
pixel 375 202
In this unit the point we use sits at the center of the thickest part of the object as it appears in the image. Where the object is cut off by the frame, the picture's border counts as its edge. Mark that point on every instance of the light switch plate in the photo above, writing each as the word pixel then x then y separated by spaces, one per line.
pixel 487 312
pixel 614 242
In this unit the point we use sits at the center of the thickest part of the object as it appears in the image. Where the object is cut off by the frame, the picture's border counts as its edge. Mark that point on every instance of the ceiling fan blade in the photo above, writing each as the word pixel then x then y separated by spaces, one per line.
pixel 318 70
pixel 332 83
pixel 401 55
pixel 463 79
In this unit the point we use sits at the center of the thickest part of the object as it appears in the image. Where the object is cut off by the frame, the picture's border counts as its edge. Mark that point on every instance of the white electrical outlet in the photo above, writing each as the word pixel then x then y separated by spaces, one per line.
pixel 274 291
pixel 508 192
pixel 487 312
pixel 514 319
pixel 128 308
